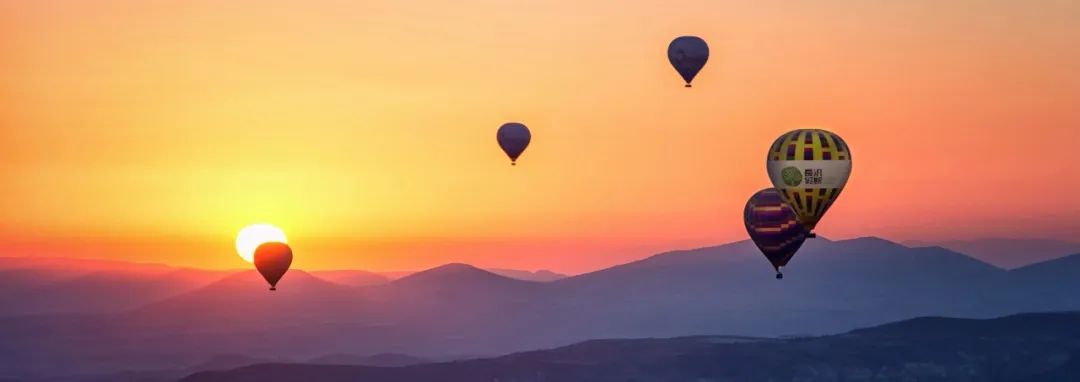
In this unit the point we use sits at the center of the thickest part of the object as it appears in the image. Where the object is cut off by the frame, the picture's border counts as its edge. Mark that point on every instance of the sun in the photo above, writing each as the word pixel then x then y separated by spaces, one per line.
pixel 253 236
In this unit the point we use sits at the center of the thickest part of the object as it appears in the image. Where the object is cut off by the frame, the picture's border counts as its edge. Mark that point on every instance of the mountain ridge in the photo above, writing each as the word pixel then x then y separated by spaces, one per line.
pixel 918 349
pixel 454 309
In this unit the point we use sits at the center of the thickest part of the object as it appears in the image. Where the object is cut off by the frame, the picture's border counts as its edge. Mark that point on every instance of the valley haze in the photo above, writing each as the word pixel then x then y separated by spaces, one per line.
pixel 162 321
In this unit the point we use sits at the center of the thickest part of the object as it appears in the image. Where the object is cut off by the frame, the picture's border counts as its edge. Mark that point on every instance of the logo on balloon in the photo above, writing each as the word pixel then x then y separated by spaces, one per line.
pixel 792 176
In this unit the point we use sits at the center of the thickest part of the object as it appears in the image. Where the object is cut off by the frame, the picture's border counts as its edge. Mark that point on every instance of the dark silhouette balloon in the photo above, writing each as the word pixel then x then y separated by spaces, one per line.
pixel 513 137
pixel 774 227
pixel 273 260
pixel 688 55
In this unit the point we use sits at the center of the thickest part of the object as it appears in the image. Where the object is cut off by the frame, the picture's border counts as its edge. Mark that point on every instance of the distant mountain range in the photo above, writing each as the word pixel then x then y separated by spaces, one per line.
pixel 1007 253
pixel 51 285
pixel 1030 347
pixel 542 275
pixel 457 311
pixel 55 285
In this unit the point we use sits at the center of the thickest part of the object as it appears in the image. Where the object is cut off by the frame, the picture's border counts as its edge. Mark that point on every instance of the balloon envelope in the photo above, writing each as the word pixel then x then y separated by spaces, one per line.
pixel 809 167
pixel 688 55
pixel 513 137
pixel 273 260
pixel 773 227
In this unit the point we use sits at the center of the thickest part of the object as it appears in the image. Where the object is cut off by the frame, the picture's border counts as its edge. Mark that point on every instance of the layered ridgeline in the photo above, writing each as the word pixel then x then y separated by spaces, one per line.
pixel 457 310
pixel 1008 253
pixel 1030 347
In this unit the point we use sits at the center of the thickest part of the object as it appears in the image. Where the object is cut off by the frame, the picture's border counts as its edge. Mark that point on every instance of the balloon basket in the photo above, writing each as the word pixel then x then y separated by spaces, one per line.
pixel 687 86
pixel 811 235
pixel 779 276
pixel 273 288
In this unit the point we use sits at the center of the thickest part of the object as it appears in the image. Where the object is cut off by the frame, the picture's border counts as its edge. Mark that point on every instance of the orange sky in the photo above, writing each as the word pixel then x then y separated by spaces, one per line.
pixel 154 130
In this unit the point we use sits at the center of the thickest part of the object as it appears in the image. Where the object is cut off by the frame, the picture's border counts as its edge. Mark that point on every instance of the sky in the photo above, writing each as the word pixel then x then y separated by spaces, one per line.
pixel 154 130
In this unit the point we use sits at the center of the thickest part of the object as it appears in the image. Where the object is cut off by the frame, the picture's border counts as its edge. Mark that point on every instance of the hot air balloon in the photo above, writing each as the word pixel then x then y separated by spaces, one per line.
pixel 513 137
pixel 272 260
pixel 809 167
pixel 688 55
pixel 773 227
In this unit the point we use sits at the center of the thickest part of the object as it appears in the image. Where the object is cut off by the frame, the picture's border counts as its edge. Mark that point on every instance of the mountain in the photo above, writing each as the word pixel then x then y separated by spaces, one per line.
pixel 220 362
pixel 233 315
pixel 354 278
pixel 304 318
pixel 50 285
pixel 830 286
pixel 542 275
pixel 243 298
pixel 1030 347
pixel 1048 285
pixel 1058 270
pixel 394 275
pixel 381 359
pixel 457 276
pixel 1008 253
pixel 459 310
pixel 457 286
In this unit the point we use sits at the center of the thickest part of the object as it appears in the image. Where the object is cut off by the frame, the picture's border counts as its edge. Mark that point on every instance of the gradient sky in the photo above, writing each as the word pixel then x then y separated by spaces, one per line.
pixel 155 130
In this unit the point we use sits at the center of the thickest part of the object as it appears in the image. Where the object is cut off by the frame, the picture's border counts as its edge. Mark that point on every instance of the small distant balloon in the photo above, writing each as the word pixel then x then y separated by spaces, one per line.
pixel 272 260
pixel 809 167
pixel 513 138
pixel 774 227
pixel 688 55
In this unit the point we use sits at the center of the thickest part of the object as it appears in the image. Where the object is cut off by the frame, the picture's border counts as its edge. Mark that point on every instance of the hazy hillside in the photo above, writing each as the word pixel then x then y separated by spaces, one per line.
pixel 542 275
pixel 354 278
pixel 50 285
pixel 457 310
pixel 829 287
pixel 1030 347
pixel 1008 253
pixel 381 359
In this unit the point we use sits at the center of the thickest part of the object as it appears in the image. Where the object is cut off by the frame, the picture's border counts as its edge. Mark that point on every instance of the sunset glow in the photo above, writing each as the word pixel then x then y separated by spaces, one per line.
pixel 368 128
pixel 252 236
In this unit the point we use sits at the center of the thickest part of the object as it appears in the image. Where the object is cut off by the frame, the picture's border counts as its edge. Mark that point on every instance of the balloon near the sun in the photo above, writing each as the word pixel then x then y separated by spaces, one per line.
pixel 252 236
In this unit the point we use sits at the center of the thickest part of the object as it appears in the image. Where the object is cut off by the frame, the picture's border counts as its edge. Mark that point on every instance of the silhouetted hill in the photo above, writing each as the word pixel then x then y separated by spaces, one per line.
pixel 1008 253
pixel 454 310
pixel 219 362
pixel 1049 285
pixel 457 280
pixel 542 275
pixel 1059 269
pixel 830 286
pixel 243 298
pixel 1016 348
pixel 229 361
pixel 381 359
pixel 461 309
pixel 456 275
pixel 458 285
pixel 51 285
pixel 355 278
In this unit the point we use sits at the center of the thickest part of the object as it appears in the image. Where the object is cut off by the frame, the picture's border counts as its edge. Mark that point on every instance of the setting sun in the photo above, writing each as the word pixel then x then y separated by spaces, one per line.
pixel 252 236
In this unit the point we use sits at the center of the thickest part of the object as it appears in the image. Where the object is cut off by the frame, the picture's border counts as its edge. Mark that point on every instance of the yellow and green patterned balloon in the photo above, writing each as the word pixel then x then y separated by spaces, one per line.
pixel 809 167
